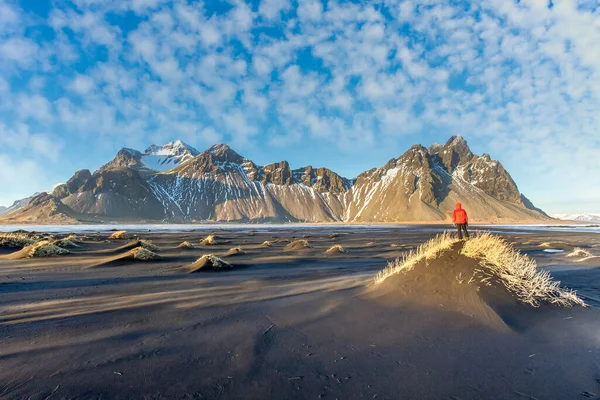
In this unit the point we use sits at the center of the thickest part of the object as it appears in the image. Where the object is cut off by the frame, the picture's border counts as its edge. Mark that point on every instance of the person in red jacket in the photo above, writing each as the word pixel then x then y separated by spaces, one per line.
pixel 461 221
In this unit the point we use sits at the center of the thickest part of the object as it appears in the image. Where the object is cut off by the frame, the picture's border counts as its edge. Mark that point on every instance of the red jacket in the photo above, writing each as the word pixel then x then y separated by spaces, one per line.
pixel 460 216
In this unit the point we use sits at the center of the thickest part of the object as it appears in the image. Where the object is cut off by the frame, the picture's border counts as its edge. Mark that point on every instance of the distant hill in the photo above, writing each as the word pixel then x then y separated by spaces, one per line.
pixel 593 218
pixel 177 183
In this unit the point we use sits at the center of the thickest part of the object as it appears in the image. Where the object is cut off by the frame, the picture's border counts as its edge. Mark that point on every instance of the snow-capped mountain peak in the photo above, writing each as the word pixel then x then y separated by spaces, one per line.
pixel 168 156
pixel 176 148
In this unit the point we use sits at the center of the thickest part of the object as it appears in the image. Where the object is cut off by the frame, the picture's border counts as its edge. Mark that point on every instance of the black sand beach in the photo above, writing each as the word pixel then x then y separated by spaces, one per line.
pixel 292 323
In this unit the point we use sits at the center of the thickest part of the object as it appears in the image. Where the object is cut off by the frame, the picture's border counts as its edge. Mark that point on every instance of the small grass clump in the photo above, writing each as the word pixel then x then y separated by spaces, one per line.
pixel 15 240
pixel 119 235
pixel 148 245
pixel 142 254
pixel 337 248
pixel 428 250
pixel 186 245
pixel 210 240
pixel 266 243
pixel 518 272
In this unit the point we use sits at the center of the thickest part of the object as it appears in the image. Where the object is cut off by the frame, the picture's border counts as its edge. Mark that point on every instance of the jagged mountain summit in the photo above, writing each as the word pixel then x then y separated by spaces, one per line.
pixel 176 183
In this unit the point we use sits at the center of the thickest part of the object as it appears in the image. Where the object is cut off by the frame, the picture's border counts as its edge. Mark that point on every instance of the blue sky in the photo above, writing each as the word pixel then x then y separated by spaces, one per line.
pixel 342 84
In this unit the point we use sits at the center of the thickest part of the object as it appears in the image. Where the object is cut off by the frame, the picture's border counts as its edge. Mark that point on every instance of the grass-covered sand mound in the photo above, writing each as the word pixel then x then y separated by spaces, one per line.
pixel 143 254
pixel 207 262
pixel 119 235
pixel 235 251
pixel 43 248
pixel 66 243
pixel 517 272
pixel 210 240
pixel 467 277
pixel 15 240
pixel 148 245
pixel 132 256
pixel 298 245
pixel 335 249
pixel 582 255
pixel 186 245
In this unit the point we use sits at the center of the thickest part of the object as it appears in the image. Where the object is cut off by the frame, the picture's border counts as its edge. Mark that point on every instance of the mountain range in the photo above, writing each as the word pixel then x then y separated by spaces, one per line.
pixel 176 183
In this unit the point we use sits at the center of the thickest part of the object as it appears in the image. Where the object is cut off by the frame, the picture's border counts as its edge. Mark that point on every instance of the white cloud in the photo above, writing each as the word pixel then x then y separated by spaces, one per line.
pixel 20 139
pixel 310 10
pixel 271 9
pixel 22 51
pixel 34 106
pixel 82 84
pixel 10 18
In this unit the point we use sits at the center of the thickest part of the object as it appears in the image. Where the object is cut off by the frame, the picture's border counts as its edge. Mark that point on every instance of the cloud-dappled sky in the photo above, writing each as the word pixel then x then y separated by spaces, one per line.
pixel 342 84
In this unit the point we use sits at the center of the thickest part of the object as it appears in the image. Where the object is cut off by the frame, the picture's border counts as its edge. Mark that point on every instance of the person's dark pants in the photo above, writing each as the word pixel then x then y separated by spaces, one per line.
pixel 461 228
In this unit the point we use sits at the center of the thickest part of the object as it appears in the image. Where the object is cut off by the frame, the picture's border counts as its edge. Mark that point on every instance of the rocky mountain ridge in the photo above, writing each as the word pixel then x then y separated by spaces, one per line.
pixel 176 183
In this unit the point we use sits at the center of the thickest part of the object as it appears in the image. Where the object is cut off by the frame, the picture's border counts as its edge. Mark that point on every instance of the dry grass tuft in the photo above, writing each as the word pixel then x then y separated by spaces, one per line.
pixel 186 245
pixel 119 235
pixel 142 254
pixel 298 245
pixel 210 240
pixel 518 272
pixel 428 250
pixel 15 240
pixel 148 245
pixel 337 248
pixel 266 243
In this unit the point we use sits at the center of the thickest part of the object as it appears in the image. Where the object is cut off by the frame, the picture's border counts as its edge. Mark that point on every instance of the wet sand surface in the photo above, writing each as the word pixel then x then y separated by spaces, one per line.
pixel 287 323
